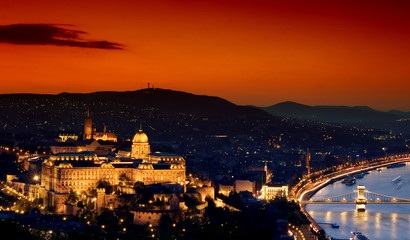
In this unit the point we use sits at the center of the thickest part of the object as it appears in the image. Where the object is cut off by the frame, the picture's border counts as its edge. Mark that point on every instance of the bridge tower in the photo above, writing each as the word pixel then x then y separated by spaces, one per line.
pixel 361 199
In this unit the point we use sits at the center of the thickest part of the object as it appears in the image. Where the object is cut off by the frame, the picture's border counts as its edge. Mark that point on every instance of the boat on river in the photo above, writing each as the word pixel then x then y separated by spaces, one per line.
pixel 358 236
pixel 359 175
pixel 334 225
pixel 350 180
pixel 396 165
pixel 396 180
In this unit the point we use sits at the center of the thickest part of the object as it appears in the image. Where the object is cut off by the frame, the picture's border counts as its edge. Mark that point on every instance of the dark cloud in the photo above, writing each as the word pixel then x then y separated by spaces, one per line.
pixel 50 34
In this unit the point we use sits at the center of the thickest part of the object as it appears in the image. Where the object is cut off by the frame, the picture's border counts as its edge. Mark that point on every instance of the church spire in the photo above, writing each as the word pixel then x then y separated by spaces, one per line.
pixel 308 161
pixel 266 172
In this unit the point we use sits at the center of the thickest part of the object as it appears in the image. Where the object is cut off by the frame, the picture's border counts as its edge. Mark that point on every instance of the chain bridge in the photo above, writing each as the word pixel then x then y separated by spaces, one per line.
pixel 360 197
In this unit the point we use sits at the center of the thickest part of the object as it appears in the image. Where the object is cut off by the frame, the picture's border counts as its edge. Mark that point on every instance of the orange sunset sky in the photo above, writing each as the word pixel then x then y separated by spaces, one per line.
pixel 257 52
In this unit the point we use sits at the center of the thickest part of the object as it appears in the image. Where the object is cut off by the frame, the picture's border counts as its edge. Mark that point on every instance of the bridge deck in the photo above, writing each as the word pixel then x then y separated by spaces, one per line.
pixel 359 196
pixel 354 202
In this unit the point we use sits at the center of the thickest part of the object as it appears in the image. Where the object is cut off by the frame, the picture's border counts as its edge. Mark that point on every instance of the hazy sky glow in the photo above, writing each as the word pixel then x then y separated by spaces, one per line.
pixel 257 52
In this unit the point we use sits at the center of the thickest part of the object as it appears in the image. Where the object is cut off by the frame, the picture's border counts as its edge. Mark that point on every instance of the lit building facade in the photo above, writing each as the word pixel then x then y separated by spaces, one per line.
pixel 67 148
pixel 67 136
pixel 82 171
pixel 226 189
pixel 244 186
pixel 272 192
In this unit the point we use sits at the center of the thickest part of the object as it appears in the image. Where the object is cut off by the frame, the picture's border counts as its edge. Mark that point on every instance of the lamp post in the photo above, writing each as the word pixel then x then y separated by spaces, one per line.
pixel 36 179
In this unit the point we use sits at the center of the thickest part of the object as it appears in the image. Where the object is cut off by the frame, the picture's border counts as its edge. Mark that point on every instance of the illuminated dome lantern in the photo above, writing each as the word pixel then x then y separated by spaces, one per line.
pixel 140 137
pixel 140 146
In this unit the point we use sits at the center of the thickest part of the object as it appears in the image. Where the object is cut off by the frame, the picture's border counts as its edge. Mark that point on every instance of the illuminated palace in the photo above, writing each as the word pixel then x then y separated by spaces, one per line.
pixel 91 133
pixel 83 171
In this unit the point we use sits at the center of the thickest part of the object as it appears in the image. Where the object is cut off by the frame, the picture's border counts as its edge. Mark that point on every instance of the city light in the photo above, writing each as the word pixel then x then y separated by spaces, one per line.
pixel 88 180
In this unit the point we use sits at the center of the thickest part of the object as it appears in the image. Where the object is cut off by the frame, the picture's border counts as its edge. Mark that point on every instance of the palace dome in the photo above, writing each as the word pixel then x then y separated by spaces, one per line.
pixel 140 137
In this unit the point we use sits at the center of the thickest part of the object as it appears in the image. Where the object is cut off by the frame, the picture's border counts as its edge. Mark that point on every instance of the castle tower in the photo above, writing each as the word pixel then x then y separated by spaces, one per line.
pixel 88 126
pixel 140 145
pixel 308 161
pixel 100 197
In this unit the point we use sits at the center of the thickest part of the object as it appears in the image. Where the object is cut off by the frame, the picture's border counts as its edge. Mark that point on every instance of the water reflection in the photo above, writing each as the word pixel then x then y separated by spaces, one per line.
pixel 377 218
pixel 393 225
pixel 343 217
pixel 328 216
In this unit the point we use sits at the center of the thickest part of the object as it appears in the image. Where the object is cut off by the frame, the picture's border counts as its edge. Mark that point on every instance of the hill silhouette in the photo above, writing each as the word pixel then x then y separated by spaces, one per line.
pixel 362 116
pixel 172 102
pixel 164 112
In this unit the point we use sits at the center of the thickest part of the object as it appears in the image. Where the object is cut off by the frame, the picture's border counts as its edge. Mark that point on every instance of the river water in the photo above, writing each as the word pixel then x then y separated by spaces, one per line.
pixel 379 221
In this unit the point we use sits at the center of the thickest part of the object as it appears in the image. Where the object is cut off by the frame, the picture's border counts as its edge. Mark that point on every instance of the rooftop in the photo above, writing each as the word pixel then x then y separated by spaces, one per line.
pixel 89 154
pixel 164 154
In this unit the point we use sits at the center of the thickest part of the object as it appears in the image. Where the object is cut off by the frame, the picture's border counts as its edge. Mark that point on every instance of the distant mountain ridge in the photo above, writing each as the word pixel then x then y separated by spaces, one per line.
pixel 356 115
pixel 400 113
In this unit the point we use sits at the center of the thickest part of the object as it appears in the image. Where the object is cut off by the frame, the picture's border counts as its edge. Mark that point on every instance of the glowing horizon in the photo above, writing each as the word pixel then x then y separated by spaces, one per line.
pixel 256 52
